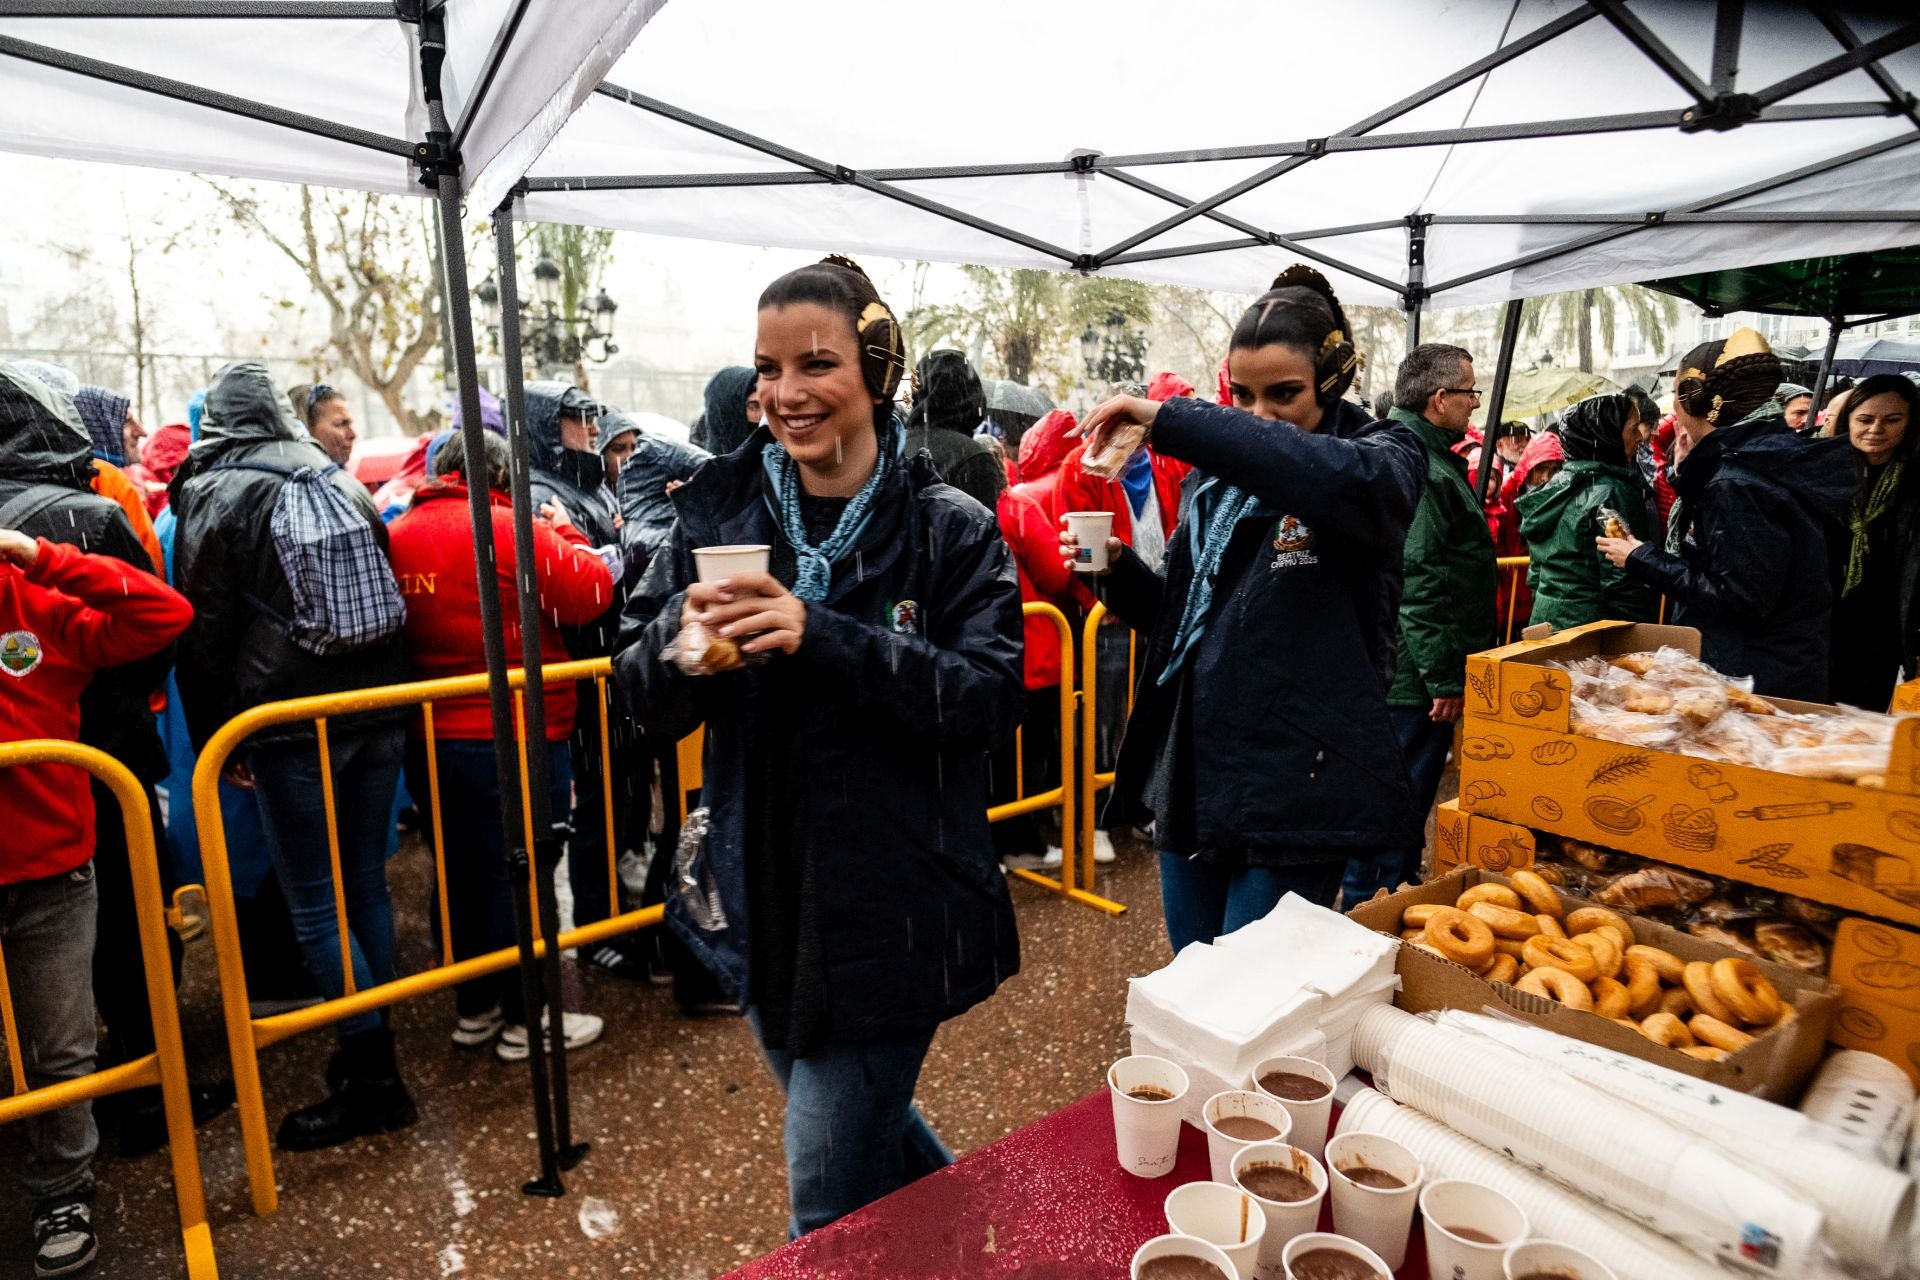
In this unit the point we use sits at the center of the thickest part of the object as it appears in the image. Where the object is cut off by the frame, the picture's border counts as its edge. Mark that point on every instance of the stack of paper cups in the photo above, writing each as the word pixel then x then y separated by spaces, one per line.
pixel 1863 1103
pixel 1554 1212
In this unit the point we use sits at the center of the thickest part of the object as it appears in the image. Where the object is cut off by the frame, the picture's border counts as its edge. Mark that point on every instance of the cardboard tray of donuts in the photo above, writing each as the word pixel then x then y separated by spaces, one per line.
pixel 1666 997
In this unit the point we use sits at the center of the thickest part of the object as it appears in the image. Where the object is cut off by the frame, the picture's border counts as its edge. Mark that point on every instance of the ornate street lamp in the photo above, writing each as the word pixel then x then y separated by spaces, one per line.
pixel 1118 356
pixel 555 340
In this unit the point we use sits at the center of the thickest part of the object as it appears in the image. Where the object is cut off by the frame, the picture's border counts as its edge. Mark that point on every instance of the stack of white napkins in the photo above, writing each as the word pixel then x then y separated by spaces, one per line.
pixel 1293 982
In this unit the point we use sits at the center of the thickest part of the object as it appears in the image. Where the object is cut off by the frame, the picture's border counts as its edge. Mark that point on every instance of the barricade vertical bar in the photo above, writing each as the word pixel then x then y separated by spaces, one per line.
pixel 606 787
pixel 1089 734
pixel 333 856
pixel 439 843
pixel 14 1058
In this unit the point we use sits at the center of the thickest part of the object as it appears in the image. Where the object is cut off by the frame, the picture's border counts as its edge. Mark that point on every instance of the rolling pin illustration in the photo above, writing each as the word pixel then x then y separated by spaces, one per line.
pixel 1805 809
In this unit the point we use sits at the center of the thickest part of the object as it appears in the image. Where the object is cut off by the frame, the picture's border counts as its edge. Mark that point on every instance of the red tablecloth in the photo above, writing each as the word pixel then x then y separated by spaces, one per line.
pixel 1047 1202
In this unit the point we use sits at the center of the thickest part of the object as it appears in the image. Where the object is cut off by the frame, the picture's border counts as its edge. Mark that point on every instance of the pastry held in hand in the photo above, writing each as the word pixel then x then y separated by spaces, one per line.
pixel 699 652
pixel 1110 449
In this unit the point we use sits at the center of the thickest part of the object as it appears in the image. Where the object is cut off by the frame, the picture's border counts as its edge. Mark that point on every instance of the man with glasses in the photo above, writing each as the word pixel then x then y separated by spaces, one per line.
pixel 1447 602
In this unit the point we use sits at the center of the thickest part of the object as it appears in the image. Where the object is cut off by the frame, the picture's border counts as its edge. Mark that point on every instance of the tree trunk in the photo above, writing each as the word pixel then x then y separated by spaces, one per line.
pixel 1584 331
pixel 139 332
pixel 1017 355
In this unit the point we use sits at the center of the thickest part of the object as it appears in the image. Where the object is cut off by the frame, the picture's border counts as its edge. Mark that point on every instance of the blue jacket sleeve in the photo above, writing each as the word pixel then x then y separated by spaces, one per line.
pixel 1364 488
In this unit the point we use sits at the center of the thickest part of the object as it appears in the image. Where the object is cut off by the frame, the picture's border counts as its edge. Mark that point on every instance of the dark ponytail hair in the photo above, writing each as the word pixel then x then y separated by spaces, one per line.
pixel 1301 311
pixel 838 284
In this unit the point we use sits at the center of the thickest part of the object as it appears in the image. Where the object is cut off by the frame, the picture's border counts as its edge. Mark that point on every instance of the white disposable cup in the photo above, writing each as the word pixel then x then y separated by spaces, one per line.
pixel 1549 1257
pixel 1340 1244
pixel 1381 1218
pixel 1224 1216
pixel 1240 1102
pixel 1450 1204
pixel 1146 1132
pixel 715 563
pixel 1181 1247
pixel 1090 529
pixel 1285 1218
pixel 1310 1119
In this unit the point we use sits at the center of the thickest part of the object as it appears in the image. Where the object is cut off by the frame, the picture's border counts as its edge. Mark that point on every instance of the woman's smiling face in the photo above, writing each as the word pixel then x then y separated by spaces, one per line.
pixel 811 388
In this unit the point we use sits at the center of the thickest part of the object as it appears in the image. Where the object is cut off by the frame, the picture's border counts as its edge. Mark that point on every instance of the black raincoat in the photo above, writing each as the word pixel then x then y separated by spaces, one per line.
pixel 45 449
pixel 857 764
pixel 723 426
pixel 1278 749
pixel 577 480
pixel 1762 505
pixel 236 655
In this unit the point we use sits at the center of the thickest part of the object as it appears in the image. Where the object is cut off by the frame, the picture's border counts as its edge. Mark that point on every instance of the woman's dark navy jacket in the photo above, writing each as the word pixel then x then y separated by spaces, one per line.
pixel 910 673
pixel 1285 752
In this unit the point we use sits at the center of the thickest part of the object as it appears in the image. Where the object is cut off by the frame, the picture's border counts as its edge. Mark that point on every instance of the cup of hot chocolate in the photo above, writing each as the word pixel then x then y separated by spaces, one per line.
pixel 1289 1184
pixel 1305 1089
pixel 716 564
pixel 1469 1228
pixel 1238 1118
pixel 1222 1215
pixel 1146 1095
pixel 1550 1260
pixel 1321 1255
pixel 1180 1258
pixel 1375 1187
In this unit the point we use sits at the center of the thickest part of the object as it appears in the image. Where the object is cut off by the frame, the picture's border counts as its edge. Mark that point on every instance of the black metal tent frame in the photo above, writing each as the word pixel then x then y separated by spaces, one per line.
pixel 1716 105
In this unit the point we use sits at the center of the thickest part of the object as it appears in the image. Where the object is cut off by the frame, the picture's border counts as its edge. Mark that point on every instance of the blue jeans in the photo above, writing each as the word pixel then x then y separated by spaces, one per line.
pixel 1203 901
pixel 1425 744
pixel 366 769
pixel 853 1134
pixel 47 934
pixel 479 883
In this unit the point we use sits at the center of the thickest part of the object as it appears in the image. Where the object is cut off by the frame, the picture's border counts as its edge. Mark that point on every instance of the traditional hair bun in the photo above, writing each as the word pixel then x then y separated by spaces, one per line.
pixel 1337 360
pixel 841 260
pixel 1727 380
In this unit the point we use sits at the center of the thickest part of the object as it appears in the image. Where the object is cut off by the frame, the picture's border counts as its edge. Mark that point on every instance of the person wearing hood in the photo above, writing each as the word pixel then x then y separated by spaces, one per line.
pixel 1260 741
pixel 652 471
pixel 1877 559
pixel 238 654
pixel 1796 406
pixel 1756 508
pixel 948 406
pixel 160 456
pixel 1572 584
pixel 109 423
pixel 847 889
pixel 730 411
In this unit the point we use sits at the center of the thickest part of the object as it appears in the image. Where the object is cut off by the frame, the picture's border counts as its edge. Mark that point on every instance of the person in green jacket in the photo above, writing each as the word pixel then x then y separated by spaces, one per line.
pixel 1447 597
pixel 1572 583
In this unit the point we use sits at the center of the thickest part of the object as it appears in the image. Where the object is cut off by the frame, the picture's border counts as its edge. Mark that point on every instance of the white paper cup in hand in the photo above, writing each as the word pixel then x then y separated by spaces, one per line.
pixel 1090 530
pixel 1223 1216
pixel 1310 1119
pixel 1233 1104
pixel 1381 1218
pixel 1561 1261
pixel 1180 1247
pixel 1285 1218
pixel 1339 1244
pixel 1146 1130
pixel 716 563
pixel 1451 1206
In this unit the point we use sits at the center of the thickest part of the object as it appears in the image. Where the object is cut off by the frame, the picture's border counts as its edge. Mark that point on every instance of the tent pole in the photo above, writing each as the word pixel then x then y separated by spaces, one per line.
pixel 1416 291
pixel 550 831
pixel 446 183
pixel 1497 402
pixel 1834 330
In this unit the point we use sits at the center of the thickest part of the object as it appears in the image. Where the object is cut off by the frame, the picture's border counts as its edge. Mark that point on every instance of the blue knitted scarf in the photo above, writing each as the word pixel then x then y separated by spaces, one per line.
pixel 1216 511
pixel 814 564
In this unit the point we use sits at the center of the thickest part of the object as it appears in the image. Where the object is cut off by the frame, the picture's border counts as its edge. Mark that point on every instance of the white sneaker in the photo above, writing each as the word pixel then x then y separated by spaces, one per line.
pixel 1103 848
pixel 582 1029
pixel 633 873
pixel 471 1033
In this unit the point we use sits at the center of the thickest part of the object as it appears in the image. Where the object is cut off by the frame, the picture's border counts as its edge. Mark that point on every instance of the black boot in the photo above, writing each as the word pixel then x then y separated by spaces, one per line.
pixel 372 1098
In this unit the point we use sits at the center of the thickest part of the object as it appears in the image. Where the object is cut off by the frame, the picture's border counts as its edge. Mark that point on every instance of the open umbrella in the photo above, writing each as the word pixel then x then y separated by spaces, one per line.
pixel 1532 394
pixel 1864 357
pixel 1013 397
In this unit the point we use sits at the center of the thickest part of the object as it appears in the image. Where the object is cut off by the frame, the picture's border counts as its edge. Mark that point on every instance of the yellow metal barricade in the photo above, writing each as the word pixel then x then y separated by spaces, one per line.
pixel 1515 567
pixel 166 1066
pixel 1091 781
pixel 247 1035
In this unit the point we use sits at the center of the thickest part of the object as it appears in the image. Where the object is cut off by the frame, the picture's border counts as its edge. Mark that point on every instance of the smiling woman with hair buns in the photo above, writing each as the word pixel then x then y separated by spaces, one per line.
pixel 1746 559
pixel 846 889
pixel 1259 740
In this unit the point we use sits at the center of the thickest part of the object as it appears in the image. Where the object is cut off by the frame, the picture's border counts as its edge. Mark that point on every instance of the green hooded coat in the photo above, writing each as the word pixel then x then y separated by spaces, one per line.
pixel 1446 604
pixel 1573 584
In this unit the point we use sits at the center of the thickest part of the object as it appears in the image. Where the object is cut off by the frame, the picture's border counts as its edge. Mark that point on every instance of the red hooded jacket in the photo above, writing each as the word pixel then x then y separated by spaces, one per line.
pixel 1663 494
pixel 1031 526
pixel 61 619
pixel 432 555
pixel 160 456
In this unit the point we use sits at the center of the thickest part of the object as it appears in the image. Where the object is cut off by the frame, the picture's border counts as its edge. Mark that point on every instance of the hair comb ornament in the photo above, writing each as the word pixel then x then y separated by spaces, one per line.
pixel 1713 414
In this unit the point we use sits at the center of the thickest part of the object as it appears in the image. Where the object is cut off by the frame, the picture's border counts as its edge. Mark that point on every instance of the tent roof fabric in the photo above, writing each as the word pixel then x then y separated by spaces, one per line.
pixel 1527 146
pixel 1883 283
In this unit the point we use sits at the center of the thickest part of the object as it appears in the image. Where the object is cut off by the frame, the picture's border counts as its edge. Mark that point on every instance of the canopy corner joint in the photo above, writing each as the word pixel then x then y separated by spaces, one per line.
pixel 1721 113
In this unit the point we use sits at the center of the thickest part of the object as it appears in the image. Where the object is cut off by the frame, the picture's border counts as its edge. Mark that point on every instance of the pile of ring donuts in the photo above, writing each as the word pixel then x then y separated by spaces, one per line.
pixel 1587 959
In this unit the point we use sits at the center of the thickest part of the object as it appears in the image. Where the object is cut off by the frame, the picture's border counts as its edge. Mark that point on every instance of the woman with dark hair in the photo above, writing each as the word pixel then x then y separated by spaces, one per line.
pixel 1572 585
pixel 1748 532
pixel 1260 742
pixel 327 416
pixel 846 887
pixel 1877 561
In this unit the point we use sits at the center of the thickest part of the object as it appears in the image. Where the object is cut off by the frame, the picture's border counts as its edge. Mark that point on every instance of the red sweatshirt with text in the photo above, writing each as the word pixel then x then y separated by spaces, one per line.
pixel 62 619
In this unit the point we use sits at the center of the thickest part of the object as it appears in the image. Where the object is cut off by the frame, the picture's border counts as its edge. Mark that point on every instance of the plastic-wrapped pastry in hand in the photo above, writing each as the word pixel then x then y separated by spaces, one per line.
pixel 1723 937
pixel 1785 942
pixel 699 652
pixel 1612 524
pixel 1654 888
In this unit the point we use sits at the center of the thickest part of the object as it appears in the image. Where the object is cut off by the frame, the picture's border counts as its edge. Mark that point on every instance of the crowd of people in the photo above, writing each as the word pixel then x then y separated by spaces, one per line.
pixel 1301 580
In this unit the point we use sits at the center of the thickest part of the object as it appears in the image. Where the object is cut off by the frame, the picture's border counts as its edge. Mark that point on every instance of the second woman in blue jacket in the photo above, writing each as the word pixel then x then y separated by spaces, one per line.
pixel 1259 741
pixel 855 902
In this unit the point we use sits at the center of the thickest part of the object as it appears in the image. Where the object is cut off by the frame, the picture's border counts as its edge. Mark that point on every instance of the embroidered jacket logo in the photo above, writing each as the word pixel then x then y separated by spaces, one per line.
pixel 19 652
pixel 1293 543
pixel 904 617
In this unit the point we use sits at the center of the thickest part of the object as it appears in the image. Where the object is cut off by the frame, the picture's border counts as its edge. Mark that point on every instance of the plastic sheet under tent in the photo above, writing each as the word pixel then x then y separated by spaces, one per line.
pixel 1478 151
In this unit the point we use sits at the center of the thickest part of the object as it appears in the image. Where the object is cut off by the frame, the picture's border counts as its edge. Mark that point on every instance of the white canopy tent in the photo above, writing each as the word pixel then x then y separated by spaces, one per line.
pixel 1444 155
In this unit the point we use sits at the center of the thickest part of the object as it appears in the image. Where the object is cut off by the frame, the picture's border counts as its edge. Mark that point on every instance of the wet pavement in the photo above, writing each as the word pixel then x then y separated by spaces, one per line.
pixel 686 1178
